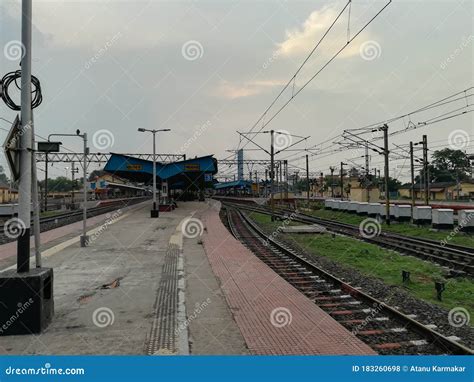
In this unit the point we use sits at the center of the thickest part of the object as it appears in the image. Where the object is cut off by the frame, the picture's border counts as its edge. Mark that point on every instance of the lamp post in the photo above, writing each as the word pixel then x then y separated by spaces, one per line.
pixel 154 213
pixel 84 238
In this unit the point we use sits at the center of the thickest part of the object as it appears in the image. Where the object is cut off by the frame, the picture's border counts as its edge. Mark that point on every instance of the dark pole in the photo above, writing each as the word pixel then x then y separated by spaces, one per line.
pixel 272 174
pixel 332 181
pixel 386 170
pixel 425 169
pixel 73 171
pixel 46 182
pixel 281 178
pixel 307 178
pixel 342 180
pixel 266 182
pixel 412 170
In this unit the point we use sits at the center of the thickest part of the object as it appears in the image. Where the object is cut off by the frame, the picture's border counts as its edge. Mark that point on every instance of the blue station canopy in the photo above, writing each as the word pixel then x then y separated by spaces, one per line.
pixel 182 172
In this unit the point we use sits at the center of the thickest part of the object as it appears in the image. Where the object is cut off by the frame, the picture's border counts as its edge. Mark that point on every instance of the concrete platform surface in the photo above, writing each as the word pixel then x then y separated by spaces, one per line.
pixel 273 316
pixel 125 293
pixel 309 228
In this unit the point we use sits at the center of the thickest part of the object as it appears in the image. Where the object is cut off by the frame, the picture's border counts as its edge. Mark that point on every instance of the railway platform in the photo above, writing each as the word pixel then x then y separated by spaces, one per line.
pixel 273 316
pixel 180 284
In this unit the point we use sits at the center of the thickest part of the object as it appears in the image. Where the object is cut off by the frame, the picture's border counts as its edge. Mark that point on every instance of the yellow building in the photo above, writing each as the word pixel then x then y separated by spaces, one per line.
pixel 8 194
pixel 440 191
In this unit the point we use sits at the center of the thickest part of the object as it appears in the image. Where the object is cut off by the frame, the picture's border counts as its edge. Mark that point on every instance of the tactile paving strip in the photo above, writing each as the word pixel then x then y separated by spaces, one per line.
pixel 162 338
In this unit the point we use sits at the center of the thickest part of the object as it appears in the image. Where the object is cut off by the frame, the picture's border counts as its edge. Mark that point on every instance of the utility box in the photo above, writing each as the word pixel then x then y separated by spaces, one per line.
pixel 403 213
pixel 362 208
pixel 443 218
pixel 383 210
pixel 353 207
pixel 26 301
pixel 328 204
pixel 343 205
pixel 466 220
pixel 373 209
pixel 422 215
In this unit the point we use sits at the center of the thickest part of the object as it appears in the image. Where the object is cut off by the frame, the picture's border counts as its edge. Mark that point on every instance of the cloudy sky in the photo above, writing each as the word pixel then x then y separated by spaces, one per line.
pixel 206 69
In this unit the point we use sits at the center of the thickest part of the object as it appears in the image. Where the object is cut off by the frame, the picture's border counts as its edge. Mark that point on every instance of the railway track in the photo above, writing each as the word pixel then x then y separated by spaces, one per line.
pixel 381 326
pixel 59 220
pixel 458 259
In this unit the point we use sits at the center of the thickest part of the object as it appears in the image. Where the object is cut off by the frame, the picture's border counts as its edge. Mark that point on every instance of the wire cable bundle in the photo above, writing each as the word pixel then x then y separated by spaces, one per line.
pixel 14 78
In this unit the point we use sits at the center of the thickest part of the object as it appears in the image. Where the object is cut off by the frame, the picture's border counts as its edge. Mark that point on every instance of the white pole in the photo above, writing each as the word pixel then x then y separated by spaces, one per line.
pixel 155 212
pixel 24 197
pixel 84 207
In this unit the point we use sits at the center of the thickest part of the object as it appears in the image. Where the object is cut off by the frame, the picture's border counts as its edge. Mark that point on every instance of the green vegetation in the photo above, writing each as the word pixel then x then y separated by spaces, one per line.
pixel 400 228
pixel 48 214
pixel 386 265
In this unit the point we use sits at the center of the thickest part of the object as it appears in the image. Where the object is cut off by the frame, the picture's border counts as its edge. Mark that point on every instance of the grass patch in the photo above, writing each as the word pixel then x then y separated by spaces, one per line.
pixel 386 265
pixel 400 228
pixel 47 214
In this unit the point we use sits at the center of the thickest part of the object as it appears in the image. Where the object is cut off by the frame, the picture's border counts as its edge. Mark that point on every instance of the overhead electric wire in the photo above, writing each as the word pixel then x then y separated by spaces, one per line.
pixel 293 78
pixel 323 67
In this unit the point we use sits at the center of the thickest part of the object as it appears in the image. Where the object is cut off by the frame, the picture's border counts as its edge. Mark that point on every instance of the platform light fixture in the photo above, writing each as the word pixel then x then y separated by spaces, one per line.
pixel 154 213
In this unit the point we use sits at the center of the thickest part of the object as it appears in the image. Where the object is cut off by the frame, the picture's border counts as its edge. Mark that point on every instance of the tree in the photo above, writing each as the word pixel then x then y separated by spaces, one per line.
pixel 448 165
pixel 60 184
pixel 3 176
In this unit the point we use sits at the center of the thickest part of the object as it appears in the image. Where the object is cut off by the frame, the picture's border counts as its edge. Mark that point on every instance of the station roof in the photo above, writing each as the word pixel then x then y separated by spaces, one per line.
pixel 140 170
pixel 233 184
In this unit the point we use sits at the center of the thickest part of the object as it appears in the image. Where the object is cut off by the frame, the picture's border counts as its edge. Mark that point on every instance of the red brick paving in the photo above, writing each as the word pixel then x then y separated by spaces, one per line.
pixel 253 291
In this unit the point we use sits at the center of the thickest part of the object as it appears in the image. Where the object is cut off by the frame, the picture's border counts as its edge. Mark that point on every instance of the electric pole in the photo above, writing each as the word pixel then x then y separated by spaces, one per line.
pixel 272 173
pixel 367 170
pixel 307 178
pixel 426 169
pixel 384 128
pixel 332 180
pixel 342 180
pixel 26 139
pixel 412 170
